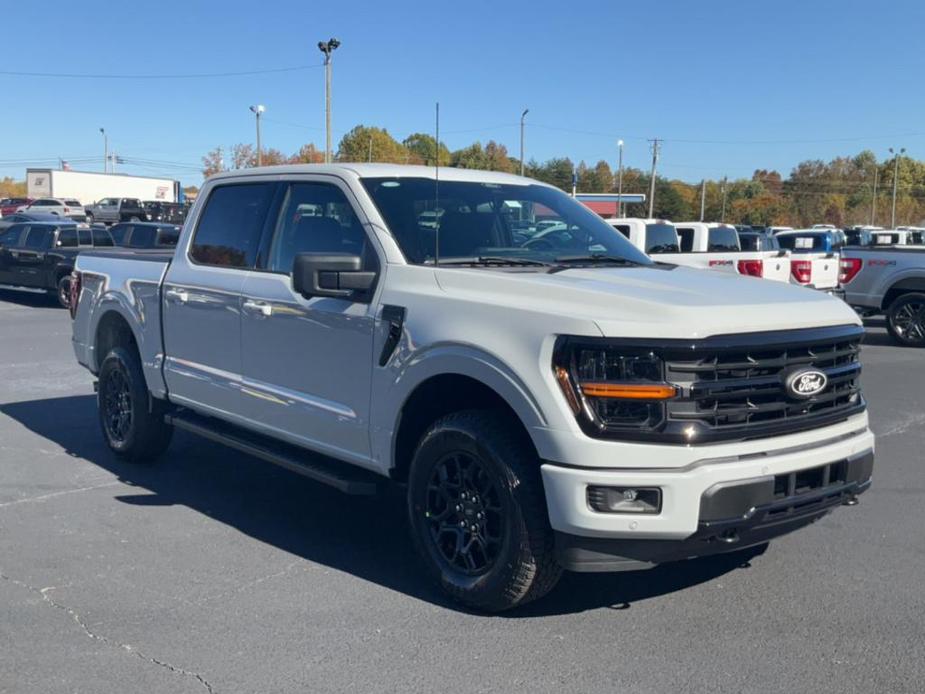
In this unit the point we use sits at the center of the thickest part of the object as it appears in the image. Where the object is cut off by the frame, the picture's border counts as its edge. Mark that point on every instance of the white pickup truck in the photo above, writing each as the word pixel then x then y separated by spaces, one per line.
pixel 814 257
pixel 546 401
pixel 706 246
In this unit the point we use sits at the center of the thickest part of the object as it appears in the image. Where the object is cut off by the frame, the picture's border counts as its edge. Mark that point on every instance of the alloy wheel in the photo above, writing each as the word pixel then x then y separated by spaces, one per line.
pixel 117 406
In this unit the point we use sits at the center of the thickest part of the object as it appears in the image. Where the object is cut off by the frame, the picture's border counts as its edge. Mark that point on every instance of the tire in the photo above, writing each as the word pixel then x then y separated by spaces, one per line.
pixel 132 423
pixel 905 320
pixel 63 291
pixel 89 218
pixel 471 463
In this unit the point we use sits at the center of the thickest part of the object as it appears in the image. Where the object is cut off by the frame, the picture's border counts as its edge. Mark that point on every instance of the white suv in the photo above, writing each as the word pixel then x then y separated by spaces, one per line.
pixel 62 207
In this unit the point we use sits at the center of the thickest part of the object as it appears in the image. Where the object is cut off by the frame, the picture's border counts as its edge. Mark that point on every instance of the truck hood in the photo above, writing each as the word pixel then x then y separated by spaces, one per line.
pixel 673 302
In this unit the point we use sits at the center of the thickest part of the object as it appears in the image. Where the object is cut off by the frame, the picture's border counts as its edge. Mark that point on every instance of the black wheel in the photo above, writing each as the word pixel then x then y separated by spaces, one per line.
pixel 478 512
pixel 64 291
pixel 905 320
pixel 133 425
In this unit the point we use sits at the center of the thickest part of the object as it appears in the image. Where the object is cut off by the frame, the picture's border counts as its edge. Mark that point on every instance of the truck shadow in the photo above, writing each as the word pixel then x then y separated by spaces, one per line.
pixel 29 298
pixel 365 536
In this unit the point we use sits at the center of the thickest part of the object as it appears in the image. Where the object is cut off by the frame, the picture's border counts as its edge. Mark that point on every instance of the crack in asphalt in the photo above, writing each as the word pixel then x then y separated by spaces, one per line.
pixel 903 426
pixel 44 593
pixel 51 495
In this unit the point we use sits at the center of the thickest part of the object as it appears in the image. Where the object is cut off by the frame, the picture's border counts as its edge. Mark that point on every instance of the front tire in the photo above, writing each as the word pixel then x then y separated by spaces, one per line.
pixel 478 512
pixel 133 429
pixel 905 320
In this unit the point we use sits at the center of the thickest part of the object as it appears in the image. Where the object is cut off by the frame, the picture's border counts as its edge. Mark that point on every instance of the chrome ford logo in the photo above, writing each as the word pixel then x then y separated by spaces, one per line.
pixel 806 383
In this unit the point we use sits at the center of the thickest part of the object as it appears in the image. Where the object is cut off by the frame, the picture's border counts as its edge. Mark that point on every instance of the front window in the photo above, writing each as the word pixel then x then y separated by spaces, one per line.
pixel 465 220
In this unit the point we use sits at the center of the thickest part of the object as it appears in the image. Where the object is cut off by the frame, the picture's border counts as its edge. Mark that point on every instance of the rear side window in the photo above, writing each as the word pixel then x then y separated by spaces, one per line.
pixel 168 237
pixel 38 237
pixel 661 238
pixel 67 238
pixel 143 237
pixel 101 238
pixel 117 232
pixel 72 202
pixel 722 239
pixel 10 237
pixel 229 229
pixel 686 237
pixel 84 236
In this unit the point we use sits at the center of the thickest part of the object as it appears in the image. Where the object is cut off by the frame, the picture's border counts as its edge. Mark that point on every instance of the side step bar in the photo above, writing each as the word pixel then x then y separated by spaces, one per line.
pixel 343 476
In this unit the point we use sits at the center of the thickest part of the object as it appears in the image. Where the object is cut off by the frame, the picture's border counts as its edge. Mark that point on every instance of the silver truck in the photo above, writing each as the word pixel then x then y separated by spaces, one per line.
pixel 888 281
pixel 114 210
pixel 544 407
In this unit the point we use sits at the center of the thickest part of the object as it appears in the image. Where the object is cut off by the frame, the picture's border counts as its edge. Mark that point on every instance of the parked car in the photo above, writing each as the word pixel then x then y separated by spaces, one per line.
pixel 700 245
pixel 40 255
pixel 9 206
pixel 168 212
pixel 112 210
pixel 579 407
pixel 814 257
pixel 888 281
pixel 19 217
pixel 144 235
pixel 60 207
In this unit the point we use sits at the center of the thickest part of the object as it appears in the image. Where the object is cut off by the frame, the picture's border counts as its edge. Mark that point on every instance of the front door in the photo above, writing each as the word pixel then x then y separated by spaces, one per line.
pixel 308 362
pixel 202 299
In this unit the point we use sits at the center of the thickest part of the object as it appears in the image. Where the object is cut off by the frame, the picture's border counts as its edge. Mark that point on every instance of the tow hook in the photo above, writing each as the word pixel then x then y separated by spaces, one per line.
pixel 728 536
pixel 852 500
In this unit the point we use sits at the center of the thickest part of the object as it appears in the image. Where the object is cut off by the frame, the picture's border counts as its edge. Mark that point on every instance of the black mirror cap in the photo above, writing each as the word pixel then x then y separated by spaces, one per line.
pixel 330 274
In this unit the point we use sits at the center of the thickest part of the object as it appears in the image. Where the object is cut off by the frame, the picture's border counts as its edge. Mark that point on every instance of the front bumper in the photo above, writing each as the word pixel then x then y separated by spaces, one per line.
pixel 684 485
pixel 733 516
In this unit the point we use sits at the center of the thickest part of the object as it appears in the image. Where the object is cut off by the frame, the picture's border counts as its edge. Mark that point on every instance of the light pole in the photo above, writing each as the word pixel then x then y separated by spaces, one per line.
pixel 895 180
pixel 327 48
pixel 652 179
pixel 522 116
pixel 620 180
pixel 105 150
pixel 873 200
pixel 258 109
pixel 723 216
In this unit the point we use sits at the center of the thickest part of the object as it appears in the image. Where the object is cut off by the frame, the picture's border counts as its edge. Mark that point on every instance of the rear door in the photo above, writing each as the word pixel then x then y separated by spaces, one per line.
pixel 308 362
pixel 28 261
pixel 9 242
pixel 202 298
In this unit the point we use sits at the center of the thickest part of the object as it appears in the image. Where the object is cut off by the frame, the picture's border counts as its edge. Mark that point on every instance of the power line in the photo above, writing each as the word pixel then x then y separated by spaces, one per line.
pixel 180 76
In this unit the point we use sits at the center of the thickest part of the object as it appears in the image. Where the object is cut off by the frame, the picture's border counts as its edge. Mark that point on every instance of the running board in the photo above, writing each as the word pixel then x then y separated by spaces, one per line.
pixel 345 477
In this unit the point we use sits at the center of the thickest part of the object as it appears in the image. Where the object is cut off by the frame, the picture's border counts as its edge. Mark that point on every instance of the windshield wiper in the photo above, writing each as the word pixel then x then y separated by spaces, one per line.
pixel 596 258
pixel 494 260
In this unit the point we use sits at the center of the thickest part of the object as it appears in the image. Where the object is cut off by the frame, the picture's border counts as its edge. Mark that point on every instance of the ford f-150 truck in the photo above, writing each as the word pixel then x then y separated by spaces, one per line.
pixel 814 257
pixel 890 281
pixel 575 407
pixel 706 246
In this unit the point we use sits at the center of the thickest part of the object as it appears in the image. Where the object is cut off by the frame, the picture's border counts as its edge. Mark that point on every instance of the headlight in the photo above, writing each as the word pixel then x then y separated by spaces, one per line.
pixel 612 387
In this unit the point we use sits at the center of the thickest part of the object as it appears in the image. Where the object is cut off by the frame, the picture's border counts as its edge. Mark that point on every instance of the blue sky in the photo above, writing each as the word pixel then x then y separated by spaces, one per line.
pixel 730 86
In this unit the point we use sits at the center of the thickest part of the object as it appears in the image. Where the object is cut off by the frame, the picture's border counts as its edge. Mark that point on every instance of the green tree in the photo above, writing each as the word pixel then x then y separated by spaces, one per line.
pixel 422 148
pixel 365 143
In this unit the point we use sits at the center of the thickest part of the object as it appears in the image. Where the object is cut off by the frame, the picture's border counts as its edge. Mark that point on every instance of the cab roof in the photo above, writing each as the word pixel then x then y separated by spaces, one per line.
pixel 363 170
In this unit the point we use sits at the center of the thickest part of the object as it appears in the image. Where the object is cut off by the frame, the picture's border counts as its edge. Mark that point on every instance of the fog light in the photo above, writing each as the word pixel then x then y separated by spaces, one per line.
pixel 625 499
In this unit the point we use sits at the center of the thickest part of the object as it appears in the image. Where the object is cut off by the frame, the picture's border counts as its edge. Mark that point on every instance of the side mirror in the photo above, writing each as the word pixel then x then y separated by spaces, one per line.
pixel 330 274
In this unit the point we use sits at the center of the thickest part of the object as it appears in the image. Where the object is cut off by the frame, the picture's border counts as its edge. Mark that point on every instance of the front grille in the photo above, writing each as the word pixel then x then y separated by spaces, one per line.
pixel 735 386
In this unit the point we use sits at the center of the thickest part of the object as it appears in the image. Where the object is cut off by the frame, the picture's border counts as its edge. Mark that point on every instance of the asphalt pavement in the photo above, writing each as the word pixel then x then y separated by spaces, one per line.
pixel 214 572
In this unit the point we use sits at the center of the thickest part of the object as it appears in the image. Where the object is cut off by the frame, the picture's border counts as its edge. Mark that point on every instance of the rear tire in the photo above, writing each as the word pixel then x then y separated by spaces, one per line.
pixel 64 291
pixel 132 423
pixel 905 320
pixel 478 512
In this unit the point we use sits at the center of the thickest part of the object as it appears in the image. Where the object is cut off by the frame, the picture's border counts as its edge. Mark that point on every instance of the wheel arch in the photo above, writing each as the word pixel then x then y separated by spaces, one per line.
pixel 903 286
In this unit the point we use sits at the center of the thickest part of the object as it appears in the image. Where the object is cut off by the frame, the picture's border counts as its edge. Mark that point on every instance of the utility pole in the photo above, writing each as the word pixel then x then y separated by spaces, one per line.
pixel 655 148
pixel 873 200
pixel 522 116
pixel 895 181
pixel 574 182
pixel 327 48
pixel 620 180
pixel 258 109
pixel 703 197
pixel 105 150
pixel 370 148
pixel 723 218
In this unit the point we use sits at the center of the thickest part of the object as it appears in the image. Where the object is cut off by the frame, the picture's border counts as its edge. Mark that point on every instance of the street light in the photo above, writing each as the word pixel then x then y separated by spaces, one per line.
pixel 327 48
pixel 258 109
pixel 620 181
pixel 898 154
pixel 105 150
pixel 522 116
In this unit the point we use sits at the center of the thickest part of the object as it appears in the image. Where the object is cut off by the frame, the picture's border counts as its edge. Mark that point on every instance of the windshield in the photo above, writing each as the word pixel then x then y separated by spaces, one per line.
pixel 478 220
pixel 661 238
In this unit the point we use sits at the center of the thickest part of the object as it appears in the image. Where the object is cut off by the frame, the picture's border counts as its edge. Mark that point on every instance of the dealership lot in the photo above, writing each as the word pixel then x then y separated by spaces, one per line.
pixel 212 571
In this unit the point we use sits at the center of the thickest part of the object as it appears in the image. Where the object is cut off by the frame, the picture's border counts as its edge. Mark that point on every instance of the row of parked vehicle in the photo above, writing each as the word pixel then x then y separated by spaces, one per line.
pixel 107 210
pixel 39 253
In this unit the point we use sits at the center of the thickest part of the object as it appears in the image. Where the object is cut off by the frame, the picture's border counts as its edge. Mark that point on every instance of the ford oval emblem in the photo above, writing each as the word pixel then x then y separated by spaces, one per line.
pixel 805 383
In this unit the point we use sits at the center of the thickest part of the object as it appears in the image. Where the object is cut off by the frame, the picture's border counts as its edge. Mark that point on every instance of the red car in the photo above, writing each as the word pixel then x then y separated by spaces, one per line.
pixel 10 205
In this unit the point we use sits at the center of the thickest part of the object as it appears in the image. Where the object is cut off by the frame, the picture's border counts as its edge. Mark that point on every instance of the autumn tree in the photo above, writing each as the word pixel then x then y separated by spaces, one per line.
pixel 307 154
pixel 365 143
pixel 422 150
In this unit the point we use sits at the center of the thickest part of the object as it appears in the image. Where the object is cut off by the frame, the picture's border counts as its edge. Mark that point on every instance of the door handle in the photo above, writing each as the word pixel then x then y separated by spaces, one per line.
pixel 177 296
pixel 261 308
